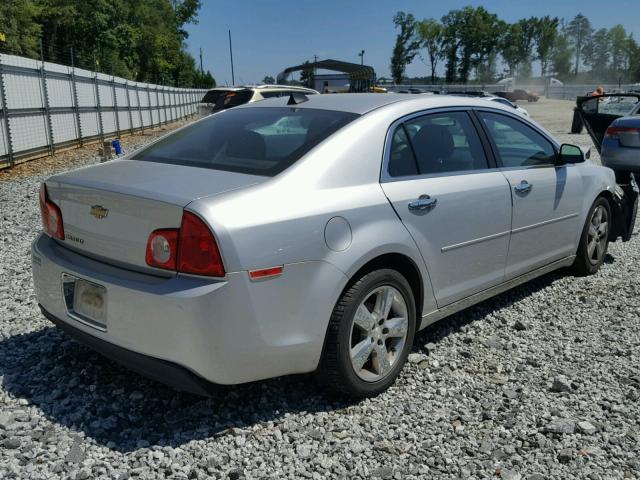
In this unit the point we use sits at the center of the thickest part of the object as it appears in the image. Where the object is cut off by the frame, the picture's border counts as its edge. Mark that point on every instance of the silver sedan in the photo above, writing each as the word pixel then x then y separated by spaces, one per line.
pixel 314 234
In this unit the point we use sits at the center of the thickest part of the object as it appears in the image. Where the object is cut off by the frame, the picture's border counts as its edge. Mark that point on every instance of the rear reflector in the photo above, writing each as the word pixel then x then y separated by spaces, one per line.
pixel 51 215
pixel 162 249
pixel 266 273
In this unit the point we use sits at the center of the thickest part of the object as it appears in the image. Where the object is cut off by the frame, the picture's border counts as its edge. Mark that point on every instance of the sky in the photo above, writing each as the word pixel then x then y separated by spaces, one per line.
pixel 269 36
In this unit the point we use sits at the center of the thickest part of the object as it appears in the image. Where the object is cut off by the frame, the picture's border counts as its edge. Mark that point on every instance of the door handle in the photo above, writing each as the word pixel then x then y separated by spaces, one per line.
pixel 424 202
pixel 523 187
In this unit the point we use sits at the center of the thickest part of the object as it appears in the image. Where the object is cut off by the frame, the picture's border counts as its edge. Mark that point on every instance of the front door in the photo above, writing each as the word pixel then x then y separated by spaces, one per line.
pixel 547 199
pixel 457 209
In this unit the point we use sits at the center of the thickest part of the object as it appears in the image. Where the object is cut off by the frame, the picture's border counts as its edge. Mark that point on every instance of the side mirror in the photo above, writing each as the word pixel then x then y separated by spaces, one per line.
pixel 570 154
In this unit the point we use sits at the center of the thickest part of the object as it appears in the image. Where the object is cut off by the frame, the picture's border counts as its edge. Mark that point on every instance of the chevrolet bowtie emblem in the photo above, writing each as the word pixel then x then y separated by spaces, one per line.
pixel 99 212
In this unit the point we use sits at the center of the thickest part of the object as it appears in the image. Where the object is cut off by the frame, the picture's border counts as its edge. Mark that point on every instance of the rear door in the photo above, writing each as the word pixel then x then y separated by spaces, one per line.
pixel 546 198
pixel 455 205
pixel 597 113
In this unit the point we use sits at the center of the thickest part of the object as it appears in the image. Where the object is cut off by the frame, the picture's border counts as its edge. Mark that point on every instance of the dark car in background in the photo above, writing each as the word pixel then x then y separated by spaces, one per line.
pixel 222 98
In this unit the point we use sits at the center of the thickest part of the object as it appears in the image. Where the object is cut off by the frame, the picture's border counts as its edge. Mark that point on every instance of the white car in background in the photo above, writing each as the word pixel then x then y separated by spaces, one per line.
pixel 508 103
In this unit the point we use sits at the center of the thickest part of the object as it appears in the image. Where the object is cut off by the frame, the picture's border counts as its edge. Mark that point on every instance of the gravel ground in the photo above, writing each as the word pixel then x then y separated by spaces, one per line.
pixel 540 382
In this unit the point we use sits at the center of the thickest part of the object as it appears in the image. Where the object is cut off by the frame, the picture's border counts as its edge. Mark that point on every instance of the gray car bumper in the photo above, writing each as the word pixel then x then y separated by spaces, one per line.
pixel 161 370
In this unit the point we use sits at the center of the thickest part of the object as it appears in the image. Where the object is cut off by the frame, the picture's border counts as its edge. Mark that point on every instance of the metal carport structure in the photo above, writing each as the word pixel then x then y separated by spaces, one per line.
pixel 362 77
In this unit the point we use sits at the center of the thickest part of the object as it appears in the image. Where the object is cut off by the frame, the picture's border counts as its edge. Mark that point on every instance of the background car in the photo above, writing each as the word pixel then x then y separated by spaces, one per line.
pixel 519 94
pixel 487 96
pixel 613 122
pixel 314 234
pixel 221 98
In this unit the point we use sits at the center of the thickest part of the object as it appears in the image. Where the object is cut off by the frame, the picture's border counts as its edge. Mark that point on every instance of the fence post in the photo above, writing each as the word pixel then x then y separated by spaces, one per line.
pixel 5 116
pixel 150 109
pixel 115 104
pixel 126 88
pixel 164 105
pixel 76 104
pixel 45 101
pixel 99 108
pixel 139 109
pixel 158 105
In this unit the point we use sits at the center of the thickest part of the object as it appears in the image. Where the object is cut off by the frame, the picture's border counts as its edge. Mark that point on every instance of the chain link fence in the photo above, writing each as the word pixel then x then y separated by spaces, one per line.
pixel 46 107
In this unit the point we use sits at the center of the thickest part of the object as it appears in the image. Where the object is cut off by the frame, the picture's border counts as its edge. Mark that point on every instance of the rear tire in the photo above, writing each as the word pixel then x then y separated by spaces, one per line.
pixel 594 240
pixel 369 336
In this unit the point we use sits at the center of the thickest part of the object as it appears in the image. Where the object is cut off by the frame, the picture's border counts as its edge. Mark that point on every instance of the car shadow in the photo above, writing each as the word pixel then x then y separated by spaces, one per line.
pixel 84 391
pixel 454 323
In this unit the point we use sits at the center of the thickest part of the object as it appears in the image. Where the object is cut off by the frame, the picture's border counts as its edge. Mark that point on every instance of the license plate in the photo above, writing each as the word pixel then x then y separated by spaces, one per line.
pixel 90 302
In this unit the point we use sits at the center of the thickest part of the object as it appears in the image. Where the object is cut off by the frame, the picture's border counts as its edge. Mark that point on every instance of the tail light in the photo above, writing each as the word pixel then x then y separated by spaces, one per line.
pixel 614 132
pixel 190 249
pixel 51 215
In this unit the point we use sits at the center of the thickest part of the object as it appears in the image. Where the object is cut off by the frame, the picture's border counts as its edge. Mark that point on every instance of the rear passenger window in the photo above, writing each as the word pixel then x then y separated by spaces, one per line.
pixel 437 143
pixel 518 144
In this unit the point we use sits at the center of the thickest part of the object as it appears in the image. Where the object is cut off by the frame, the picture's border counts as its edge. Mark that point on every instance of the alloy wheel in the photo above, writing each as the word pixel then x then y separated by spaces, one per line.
pixel 598 234
pixel 378 333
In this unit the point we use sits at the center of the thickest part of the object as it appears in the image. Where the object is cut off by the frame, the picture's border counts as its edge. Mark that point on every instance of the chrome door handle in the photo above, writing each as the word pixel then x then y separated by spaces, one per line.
pixel 523 187
pixel 425 202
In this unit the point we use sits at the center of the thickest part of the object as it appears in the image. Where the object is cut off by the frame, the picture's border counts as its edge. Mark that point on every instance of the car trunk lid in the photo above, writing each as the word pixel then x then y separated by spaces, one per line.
pixel 598 112
pixel 109 210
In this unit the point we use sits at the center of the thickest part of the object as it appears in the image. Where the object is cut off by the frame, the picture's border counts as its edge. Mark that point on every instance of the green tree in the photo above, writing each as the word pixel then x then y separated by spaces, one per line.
pixel 406 47
pixel 268 80
pixel 561 55
pixel 470 36
pixel 431 36
pixel 511 48
pixel 620 52
pixel 579 32
pixel 307 75
pixel 545 39
pixel 634 63
pixel 19 25
pixel 596 53
pixel 137 39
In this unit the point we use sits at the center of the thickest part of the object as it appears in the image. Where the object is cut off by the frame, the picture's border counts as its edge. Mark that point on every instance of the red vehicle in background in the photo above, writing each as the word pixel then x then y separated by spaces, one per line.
pixel 519 94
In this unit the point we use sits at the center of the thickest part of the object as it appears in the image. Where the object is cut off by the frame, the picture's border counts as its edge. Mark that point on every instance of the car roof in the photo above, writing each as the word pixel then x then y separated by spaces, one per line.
pixel 361 103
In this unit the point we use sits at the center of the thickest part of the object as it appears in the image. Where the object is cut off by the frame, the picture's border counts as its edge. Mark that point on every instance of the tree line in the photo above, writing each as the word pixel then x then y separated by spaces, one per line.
pixel 142 40
pixel 475 44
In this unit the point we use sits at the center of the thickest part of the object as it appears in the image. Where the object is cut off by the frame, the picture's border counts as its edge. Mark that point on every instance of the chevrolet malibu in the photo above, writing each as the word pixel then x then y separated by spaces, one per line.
pixel 314 234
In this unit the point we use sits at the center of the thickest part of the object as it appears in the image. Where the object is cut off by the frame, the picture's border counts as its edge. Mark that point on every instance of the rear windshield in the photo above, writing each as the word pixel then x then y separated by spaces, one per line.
pixel 256 141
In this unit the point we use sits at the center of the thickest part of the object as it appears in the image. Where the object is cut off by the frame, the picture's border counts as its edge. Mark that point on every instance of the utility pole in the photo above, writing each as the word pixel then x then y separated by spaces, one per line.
pixel 201 70
pixel 233 78
pixel 361 55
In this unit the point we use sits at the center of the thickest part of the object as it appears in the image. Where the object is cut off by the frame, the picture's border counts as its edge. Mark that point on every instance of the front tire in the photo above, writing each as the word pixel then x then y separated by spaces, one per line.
pixel 369 336
pixel 594 240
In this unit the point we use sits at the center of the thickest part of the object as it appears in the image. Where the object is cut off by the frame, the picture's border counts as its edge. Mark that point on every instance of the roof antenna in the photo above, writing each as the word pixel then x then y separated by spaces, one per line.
pixel 296 97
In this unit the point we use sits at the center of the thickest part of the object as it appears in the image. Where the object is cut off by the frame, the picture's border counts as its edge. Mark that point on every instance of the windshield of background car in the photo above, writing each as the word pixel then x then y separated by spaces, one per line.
pixel 618 105
pixel 223 99
pixel 256 141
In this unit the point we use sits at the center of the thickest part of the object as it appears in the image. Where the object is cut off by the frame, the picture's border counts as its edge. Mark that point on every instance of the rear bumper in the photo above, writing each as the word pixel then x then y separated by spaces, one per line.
pixel 620 158
pixel 154 368
pixel 226 331
pixel 625 210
